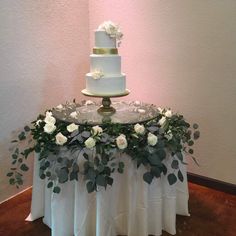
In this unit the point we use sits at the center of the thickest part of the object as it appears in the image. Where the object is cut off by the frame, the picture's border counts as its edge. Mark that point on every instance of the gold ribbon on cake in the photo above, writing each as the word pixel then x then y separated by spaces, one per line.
pixel 105 51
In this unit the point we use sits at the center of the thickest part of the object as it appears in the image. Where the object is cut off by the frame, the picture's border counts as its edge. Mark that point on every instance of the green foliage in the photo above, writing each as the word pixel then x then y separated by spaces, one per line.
pixel 174 137
pixel 172 179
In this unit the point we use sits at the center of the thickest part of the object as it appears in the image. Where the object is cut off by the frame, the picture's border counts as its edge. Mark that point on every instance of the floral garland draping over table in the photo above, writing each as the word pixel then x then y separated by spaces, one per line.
pixel 146 143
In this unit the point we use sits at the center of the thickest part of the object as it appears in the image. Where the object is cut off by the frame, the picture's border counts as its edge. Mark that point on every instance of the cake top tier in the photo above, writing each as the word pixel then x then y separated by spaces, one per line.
pixel 108 35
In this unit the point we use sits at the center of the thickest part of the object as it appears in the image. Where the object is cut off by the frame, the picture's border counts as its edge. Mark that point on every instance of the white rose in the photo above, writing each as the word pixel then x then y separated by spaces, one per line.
pixel 73 114
pixel 97 74
pixel 169 135
pixel 160 109
pixel 139 129
pixel 121 142
pixel 49 128
pixel 50 120
pixel 152 139
pixel 72 127
pixel 162 121
pixel 48 113
pixel 38 122
pixel 97 130
pixel 90 142
pixel 60 139
pixel 168 113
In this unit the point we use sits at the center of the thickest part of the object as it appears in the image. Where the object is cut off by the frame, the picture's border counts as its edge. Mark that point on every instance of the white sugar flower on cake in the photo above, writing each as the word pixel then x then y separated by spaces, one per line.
pixel 112 29
pixel 97 74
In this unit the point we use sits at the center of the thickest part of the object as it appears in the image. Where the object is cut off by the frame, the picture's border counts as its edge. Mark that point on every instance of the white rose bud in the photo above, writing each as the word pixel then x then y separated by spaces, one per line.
pixel 90 142
pixel 60 139
pixel 152 139
pixel 168 113
pixel 72 127
pixel 121 142
pixel 50 120
pixel 162 121
pixel 139 129
pixel 49 128
pixel 97 130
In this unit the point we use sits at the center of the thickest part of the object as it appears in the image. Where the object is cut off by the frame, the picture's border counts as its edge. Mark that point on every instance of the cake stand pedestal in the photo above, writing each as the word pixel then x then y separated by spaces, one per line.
pixel 106 109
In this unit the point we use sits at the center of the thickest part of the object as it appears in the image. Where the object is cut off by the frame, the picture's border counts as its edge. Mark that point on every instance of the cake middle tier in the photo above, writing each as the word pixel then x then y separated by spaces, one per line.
pixel 108 64
pixel 107 85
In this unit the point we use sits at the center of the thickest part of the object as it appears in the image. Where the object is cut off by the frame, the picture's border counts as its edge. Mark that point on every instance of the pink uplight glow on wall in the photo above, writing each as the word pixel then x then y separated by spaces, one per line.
pixel 181 54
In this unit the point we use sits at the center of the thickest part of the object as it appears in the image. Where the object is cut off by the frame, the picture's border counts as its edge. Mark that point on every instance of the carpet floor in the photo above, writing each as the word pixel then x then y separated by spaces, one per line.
pixel 213 213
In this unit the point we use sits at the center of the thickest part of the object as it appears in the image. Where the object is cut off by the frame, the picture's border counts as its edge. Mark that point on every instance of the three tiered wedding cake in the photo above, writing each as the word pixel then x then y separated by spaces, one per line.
pixel 105 77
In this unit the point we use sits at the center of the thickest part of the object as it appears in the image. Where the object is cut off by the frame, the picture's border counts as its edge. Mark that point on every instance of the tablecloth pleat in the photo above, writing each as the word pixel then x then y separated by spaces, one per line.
pixel 129 207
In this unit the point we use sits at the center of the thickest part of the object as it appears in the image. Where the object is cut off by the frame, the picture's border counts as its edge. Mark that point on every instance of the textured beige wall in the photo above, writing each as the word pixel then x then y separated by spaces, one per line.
pixel 179 54
pixel 182 54
pixel 44 56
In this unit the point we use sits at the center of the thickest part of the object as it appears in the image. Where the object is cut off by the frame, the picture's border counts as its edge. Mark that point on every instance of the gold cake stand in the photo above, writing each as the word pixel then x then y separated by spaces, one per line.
pixel 106 109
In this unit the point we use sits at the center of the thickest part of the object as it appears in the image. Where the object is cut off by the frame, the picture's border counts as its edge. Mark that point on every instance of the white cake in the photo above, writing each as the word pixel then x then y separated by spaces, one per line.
pixel 105 77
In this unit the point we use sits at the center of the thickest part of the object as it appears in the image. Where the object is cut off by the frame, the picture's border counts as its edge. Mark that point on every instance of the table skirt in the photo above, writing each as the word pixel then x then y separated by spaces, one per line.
pixel 129 207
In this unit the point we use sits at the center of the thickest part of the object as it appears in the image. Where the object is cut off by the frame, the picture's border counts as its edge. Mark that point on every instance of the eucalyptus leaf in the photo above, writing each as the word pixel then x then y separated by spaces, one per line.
pixel 14 156
pixel 179 156
pixel 154 160
pixel 175 164
pixel 156 171
pixel 172 179
pixel 121 164
pixel 148 177
pixel 91 174
pixel 120 170
pixel 50 184
pixel 9 174
pixel 12 181
pixel 196 134
pixel 180 176
pixel 86 134
pixel 27 128
pixel 22 136
pixel 56 189
pixel 100 180
pixel 190 143
pixel 73 175
pixel 62 175
pixel 90 187
pixel 152 129
pixel 164 169
pixel 109 180
pixel 24 167
pixel 100 168
pixel 190 151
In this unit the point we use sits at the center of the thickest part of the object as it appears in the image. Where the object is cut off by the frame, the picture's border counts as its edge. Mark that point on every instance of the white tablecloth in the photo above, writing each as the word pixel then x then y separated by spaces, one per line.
pixel 129 207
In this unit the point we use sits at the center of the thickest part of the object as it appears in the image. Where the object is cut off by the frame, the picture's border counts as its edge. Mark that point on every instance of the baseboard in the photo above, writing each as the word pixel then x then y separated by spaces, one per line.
pixel 16 195
pixel 212 183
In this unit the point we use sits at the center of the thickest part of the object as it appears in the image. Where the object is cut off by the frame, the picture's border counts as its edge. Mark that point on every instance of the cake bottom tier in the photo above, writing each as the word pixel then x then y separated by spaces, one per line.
pixel 111 85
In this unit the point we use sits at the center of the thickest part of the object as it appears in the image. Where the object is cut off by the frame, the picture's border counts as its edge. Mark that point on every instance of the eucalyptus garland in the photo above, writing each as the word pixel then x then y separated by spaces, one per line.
pixel 146 144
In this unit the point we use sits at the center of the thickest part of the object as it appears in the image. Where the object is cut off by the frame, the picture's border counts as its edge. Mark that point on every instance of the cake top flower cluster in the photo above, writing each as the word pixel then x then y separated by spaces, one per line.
pixel 112 29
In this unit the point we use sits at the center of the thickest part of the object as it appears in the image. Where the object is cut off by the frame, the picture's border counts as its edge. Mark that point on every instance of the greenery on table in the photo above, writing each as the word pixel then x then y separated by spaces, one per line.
pixel 61 146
